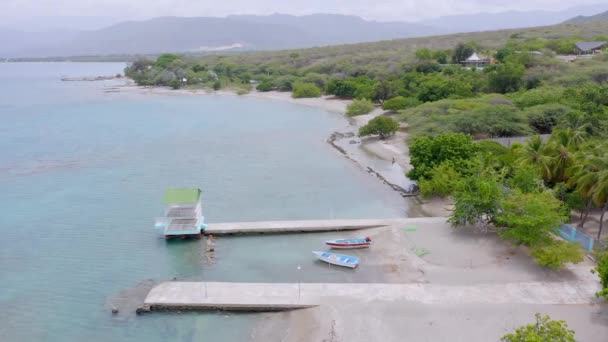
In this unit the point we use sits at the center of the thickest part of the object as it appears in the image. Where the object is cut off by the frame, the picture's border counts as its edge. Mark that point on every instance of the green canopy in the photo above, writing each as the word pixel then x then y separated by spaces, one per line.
pixel 182 196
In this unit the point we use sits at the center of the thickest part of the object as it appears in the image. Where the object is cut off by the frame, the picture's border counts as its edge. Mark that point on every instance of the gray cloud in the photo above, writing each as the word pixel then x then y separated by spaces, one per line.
pixel 406 10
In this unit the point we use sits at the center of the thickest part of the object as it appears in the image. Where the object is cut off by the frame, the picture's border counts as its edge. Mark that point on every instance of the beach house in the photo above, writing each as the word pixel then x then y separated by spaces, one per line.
pixel 590 48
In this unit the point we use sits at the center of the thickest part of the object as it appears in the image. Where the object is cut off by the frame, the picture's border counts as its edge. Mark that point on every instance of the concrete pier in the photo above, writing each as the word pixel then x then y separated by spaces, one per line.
pixel 294 226
pixel 227 296
pixel 282 296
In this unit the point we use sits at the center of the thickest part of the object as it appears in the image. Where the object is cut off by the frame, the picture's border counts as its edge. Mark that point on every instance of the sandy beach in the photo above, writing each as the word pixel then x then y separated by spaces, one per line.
pixel 463 287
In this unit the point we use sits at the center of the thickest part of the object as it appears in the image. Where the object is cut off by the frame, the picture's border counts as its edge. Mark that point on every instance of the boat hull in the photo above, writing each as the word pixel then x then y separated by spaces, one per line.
pixel 353 243
pixel 347 246
pixel 338 259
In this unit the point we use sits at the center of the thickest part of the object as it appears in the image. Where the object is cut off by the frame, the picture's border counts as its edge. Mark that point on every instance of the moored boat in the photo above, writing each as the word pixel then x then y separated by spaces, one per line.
pixel 363 242
pixel 338 259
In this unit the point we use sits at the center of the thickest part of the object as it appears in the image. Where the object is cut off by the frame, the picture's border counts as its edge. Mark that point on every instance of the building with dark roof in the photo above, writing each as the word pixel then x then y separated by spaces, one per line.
pixel 589 48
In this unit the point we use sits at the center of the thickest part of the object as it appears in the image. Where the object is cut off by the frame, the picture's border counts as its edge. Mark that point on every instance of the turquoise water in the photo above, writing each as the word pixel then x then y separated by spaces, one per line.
pixel 82 173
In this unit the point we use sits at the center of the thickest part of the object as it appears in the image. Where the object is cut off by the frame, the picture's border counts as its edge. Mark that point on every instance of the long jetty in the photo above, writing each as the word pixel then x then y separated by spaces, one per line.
pixel 178 296
pixel 202 296
pixel 294 226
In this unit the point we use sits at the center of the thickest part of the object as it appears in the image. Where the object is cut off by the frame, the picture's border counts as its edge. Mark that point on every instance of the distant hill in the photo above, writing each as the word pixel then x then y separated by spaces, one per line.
pixel 240 33
pixel 509 19
pixel 587 19
pixel 385 56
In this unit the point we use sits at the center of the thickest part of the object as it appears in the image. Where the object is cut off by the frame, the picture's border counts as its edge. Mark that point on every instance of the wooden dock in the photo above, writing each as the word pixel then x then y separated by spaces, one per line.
pixel 294 226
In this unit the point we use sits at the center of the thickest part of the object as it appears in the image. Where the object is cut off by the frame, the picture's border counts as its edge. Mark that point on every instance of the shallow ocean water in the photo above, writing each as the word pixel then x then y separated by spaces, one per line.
pixel 82 174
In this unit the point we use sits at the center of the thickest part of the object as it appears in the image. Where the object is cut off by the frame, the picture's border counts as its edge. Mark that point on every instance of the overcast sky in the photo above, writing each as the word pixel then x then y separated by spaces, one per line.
pixel 404 10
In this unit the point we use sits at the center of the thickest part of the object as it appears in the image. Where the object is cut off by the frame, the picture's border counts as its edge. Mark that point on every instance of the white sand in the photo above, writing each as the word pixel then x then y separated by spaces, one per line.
pixel 488 288
pixel 327 103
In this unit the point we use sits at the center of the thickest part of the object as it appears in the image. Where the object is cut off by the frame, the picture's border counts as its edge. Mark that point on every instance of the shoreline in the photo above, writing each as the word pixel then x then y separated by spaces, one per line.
pixel 362 151
pixel 426 254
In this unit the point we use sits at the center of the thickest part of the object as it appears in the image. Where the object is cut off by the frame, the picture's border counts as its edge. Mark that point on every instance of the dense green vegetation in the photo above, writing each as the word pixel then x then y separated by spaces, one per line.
pixel 359 107
pixel 601 269
pixel 386 59
pixel 301 90
pixel 543 330
pixel 526 190
pixel 526 90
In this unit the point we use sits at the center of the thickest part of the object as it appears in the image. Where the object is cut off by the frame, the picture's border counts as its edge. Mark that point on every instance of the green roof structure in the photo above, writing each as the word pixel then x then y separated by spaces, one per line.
pixel 182 196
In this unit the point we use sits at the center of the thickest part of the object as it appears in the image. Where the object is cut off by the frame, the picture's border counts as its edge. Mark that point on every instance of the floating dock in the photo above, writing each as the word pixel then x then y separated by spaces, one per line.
pixel 294 226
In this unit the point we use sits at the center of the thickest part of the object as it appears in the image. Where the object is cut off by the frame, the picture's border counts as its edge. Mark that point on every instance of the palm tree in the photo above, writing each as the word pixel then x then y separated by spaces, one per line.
pixel 583 177
pixel 561 145
pixel 590 176
pixel 535 152
pixel 600 194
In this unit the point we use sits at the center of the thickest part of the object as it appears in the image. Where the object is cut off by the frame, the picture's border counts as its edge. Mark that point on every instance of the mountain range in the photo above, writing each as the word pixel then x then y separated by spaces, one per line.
pixel 587 19
pixel 255 33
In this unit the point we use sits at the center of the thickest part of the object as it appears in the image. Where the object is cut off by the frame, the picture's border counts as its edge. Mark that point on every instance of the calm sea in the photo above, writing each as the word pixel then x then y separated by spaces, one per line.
pixel 82 175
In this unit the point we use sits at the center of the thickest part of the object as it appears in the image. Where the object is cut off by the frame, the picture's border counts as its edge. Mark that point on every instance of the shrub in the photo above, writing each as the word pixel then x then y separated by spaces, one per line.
pixel 302 90
pixel 284 83
pixel 476 201
pixel 341 88
pixel 217 85
pixel 400 103
pixel 428 67
pixel 530 219
pixel 244 89
pixel 175 84
pixel 492 121
pixel 544 329
pixel 602 271
pixel 538 96
pixel 427 152
pixel 555 254
pixel 543 118
pixel 165 59
pixel 441 182
pixel 380 125
pixel 264 86
pixel 359 107
pixel 506 78
pixel 319 80
pixel 491 147
pixel 527 179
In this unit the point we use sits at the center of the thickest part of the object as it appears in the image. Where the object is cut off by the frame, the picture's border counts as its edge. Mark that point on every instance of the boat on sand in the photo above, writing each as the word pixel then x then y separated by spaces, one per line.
pixel 338 259
pixel 362 242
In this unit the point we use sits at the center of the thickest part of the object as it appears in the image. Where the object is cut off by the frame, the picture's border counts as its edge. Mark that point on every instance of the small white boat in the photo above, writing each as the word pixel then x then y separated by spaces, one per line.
pixel 363 242
pixel 338 259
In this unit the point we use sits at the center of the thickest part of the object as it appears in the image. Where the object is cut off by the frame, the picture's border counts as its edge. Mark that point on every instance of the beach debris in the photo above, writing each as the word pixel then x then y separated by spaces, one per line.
pixel 411 228
pixel 420 251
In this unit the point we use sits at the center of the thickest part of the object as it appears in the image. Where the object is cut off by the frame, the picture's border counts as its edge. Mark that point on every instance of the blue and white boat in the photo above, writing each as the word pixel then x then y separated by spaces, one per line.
pixel 349 243
pixel 338 259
